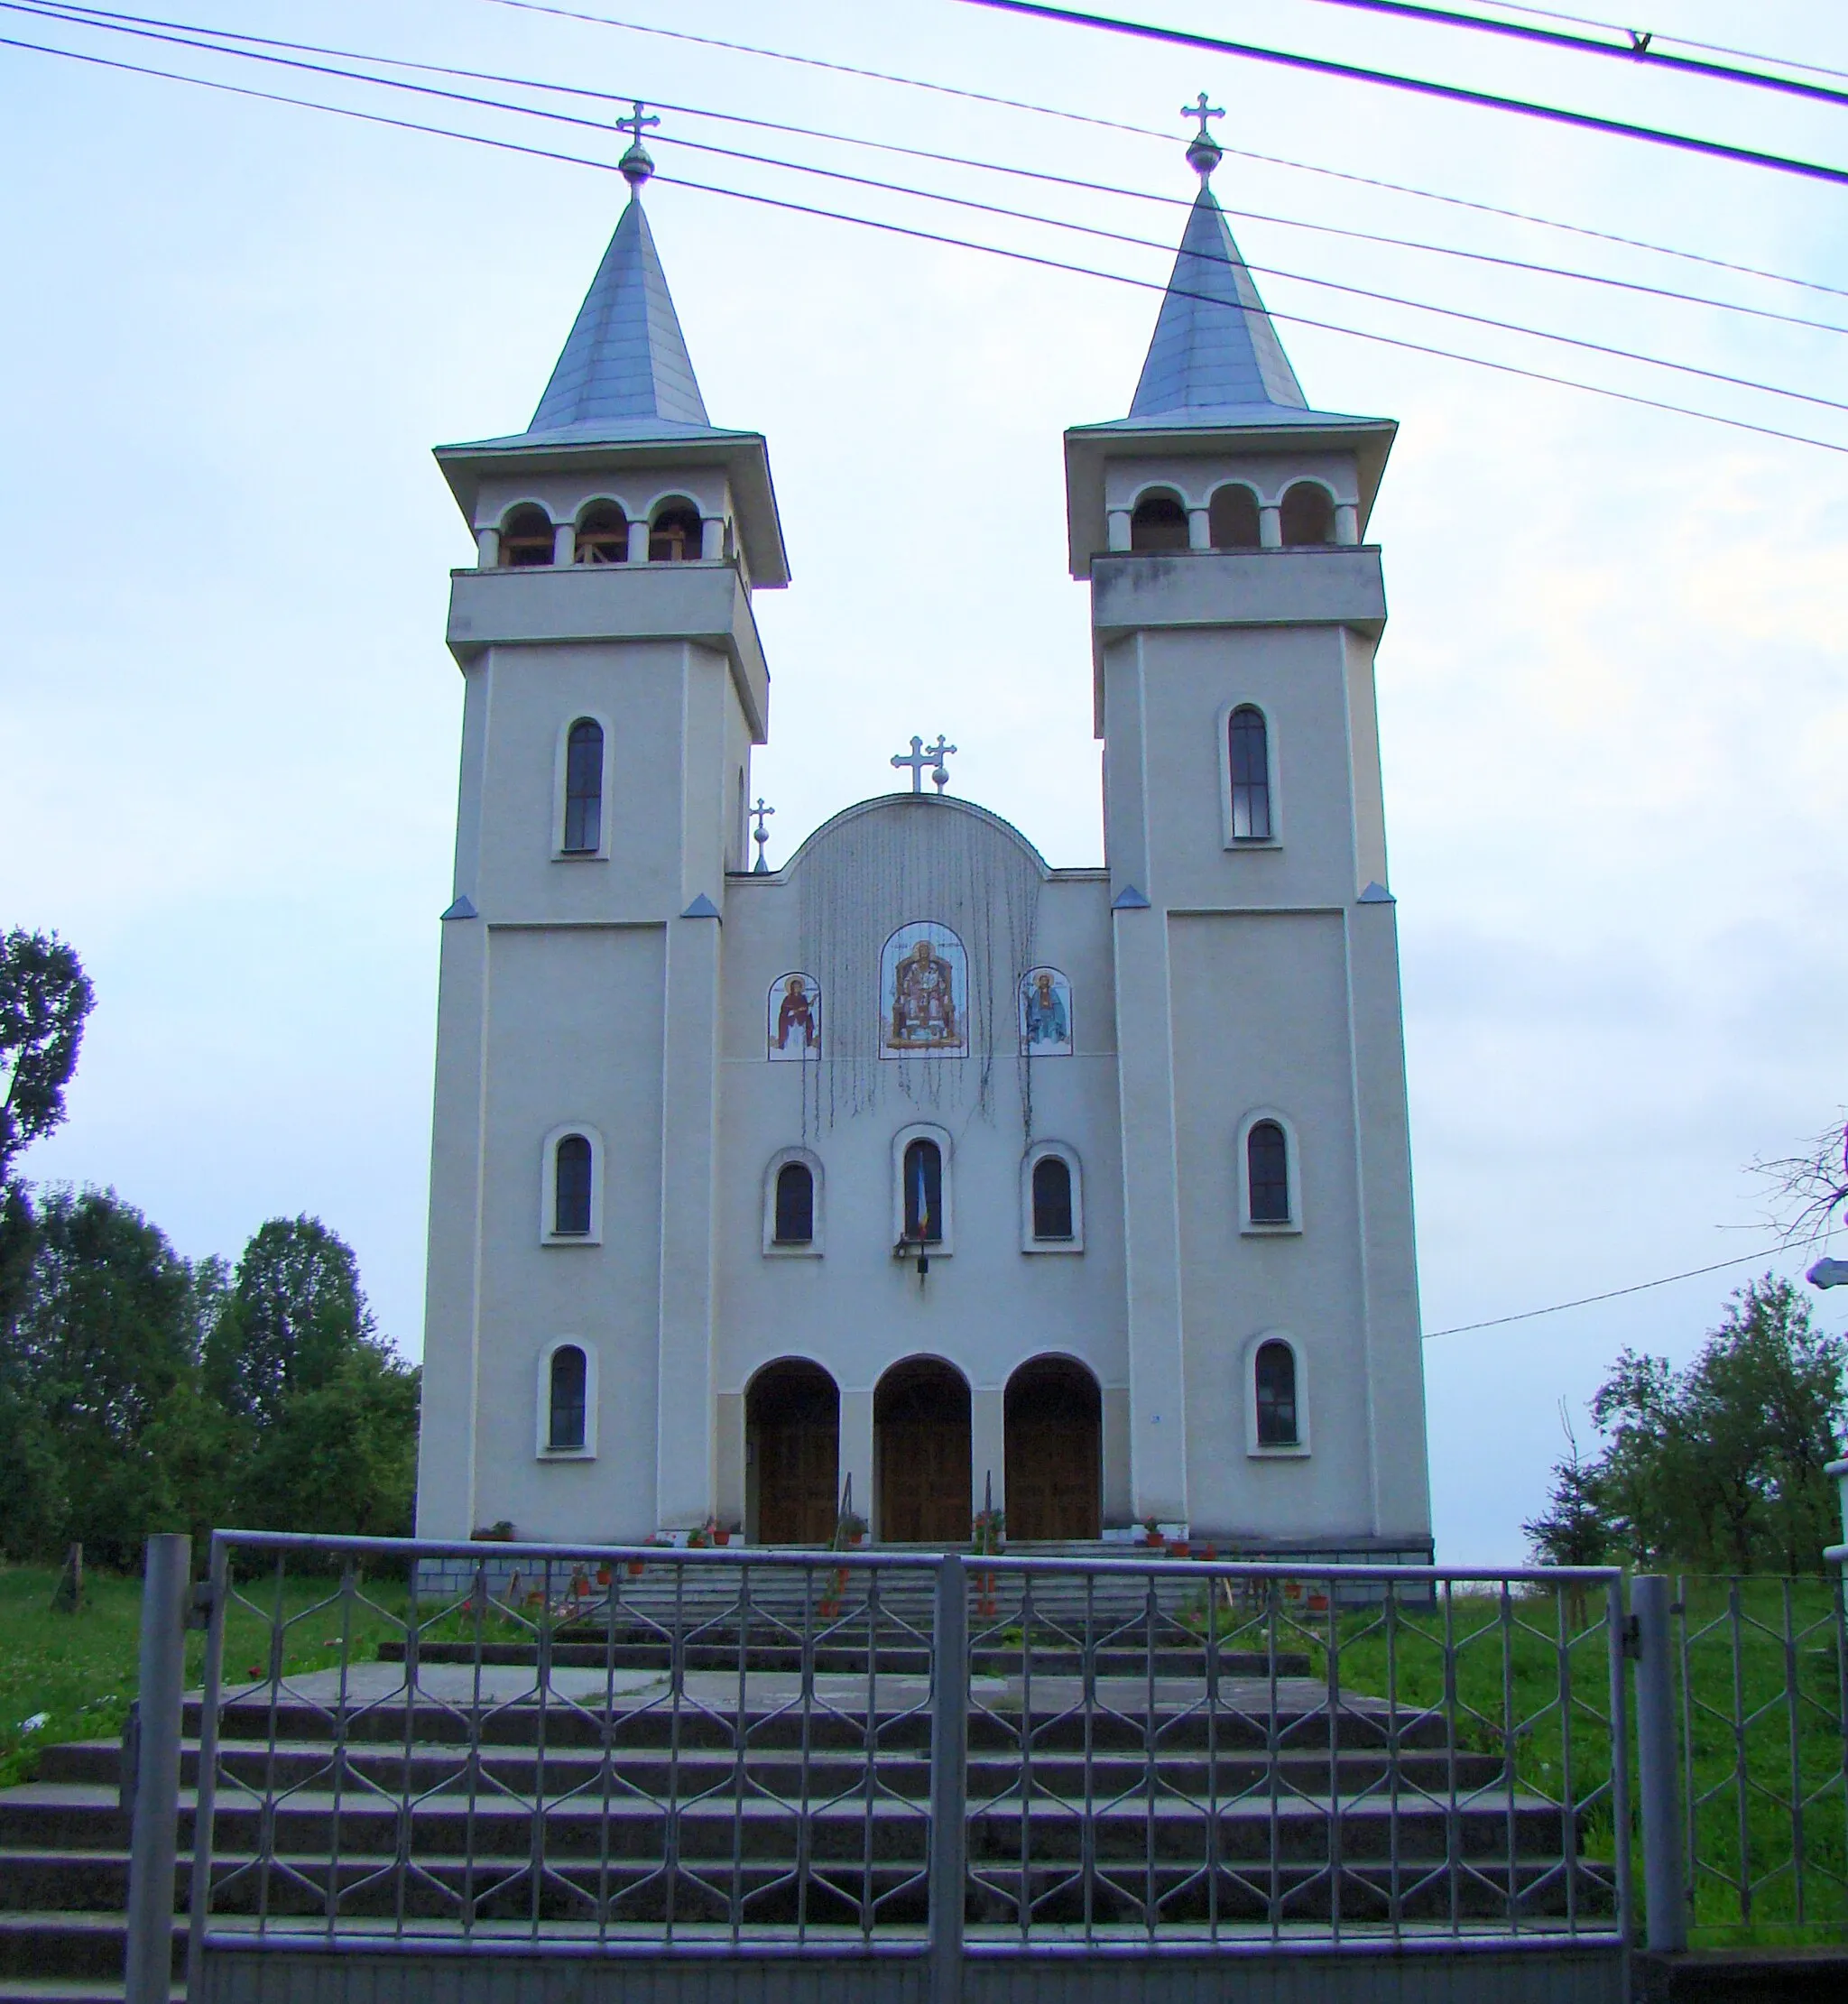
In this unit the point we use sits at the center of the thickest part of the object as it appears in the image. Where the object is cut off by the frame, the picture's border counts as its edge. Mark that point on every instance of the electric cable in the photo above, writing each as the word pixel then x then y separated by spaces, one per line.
pixel 1015 215
pixel 1613 1294
pixel 134 23
pixel 1423 86
pixel 1662 34
pixel 930 236
pixel 1167 139
pixel 1636 47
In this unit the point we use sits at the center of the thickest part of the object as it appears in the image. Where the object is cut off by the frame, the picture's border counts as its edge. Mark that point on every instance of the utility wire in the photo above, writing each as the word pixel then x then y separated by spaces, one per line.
pixel 141 24
pixel 1167 138
pixel 1635 48
pixel 1611 1294
pixel 920 236
pixel 1393 79
pixel 1680 41
pixel 997 209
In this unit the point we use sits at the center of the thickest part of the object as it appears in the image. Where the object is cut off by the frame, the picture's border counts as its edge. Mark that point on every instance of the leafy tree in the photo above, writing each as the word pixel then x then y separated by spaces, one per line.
pixel 294 1312
pixel 45 998
pixel 343 1460
pixel 1572 1530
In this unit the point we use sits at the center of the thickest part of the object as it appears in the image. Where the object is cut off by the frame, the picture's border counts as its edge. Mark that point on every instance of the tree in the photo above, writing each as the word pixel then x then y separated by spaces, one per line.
pixel 45 998
pixel 1572 1532
pixel 1807 1190
pixel 294 1312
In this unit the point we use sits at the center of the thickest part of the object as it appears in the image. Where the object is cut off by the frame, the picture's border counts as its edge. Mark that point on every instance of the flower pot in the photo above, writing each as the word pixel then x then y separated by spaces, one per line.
pixel 1318 1603
pixel 635 1566
pixel 721 1538
pixel 603 1576
pixel 1178 1549
pixel 1154 1538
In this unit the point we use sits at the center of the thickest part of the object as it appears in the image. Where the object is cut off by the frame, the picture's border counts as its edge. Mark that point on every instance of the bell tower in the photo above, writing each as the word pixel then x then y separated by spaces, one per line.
pixel 1236 611
pixel 613 685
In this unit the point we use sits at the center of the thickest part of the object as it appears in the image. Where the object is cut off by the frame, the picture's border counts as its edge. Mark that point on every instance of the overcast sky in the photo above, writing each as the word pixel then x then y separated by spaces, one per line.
pixel 1613 712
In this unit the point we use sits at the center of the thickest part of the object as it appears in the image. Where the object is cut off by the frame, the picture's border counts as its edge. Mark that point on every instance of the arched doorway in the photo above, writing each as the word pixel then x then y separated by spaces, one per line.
pixel 793 1421
pixel 1054 1421
pixel 920 1418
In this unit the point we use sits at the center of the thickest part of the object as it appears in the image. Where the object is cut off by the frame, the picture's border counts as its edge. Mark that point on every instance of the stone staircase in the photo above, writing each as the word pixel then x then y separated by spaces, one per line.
pixel 1278 1807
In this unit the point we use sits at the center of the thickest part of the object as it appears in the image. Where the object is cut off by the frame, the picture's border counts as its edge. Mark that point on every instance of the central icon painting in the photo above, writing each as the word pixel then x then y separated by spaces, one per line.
pixel 924 993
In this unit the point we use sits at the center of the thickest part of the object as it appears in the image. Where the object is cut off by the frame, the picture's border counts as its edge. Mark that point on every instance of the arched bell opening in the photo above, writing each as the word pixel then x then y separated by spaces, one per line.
pixel 920 1428
pixel 792 1433
pixel 1160 522
pixel 1054 1420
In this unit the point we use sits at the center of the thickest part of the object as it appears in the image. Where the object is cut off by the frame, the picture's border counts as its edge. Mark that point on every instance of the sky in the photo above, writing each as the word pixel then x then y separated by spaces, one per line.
pixel 1613 714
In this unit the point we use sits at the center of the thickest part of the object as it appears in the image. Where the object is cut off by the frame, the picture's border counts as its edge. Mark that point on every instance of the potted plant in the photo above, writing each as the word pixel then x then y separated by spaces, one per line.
pixel 849 1530
pixel 1152 1531
pixel 697 1541
pixel 721 1534
pixel 1178 1548
pixel 989 1530
pixel 498 1533
pixel 603 1576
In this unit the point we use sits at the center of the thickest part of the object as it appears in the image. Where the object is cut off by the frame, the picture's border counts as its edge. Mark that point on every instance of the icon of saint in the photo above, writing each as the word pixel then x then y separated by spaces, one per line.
pixel 796 1017
pixel 1043 1012
pixel 923 1002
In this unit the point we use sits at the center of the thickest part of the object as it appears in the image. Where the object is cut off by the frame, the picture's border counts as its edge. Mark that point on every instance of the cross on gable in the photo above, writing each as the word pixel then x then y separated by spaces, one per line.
pixel 760 834
pixel 919 760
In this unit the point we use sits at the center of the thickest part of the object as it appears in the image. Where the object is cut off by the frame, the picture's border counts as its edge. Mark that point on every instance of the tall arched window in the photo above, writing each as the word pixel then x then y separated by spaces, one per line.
pixel 674 534
pixel 572 1182
pixel 1248 747
pixel 1232 520
pixel 584 788
pixel 1160 522
pixel 526 538
pixel 795 1205
pixel 1274 1372
pixel 1309 516
pixel 568 1403
pixel 1052 1198
pixel 1267 1173
pixel 603 536
pixel 923 1180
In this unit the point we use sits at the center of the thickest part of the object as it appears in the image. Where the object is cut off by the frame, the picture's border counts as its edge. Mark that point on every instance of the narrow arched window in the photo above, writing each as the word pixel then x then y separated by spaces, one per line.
pixel 1275 1372
pixel 1232 520
pixel 526 538
pixel 795 1205
pixel 1160 522
pixel 566 1404
pixel 1309 516
pixel 1052 1198
pixel 603 536
pixel 1248 749
pixel 923 1173
pixel 584 788
pixel 571 1176
pixel 1267 1173
pixel 674 535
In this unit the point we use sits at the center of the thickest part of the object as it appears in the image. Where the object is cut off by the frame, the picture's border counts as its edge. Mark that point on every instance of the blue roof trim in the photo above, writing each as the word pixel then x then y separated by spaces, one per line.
pixel 702 907
pixel 1213 345
pixel 462 909
pixel 1129 899
pixel 1376 895
pixel 625 358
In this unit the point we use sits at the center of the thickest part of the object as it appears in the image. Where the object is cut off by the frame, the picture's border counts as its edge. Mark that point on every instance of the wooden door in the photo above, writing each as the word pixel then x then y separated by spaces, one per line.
pixel 1054 1463
pixel 794 1422
pixel 921 1414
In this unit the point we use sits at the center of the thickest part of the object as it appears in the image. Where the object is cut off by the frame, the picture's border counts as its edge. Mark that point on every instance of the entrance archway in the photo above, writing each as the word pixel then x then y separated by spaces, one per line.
pixel 793 1421
pixel 1054 1424
pixel 920 1420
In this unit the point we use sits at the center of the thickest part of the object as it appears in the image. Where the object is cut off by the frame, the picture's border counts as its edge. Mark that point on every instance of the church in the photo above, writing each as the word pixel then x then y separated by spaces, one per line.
pixel 921 1177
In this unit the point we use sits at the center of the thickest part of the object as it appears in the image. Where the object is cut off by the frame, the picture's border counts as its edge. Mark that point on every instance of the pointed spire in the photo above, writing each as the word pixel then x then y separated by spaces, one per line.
pixel 626 359
pixel 1213 343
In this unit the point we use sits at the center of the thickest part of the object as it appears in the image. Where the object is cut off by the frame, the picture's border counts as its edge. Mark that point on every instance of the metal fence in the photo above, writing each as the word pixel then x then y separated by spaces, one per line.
pixel 603 1752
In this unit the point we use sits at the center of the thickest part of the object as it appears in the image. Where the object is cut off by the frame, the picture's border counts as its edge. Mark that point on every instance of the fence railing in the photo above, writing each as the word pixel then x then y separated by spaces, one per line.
pixel 600 1752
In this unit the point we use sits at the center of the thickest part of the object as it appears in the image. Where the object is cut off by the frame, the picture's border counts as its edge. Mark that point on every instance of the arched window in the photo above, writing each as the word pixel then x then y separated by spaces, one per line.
pixel 572 1170
pixel 1160 522
pixel 795 1205
pixel 568 1404
pixel 584 788
pixel 923 1193
pixel 1052 1198
pixel 1248 749
pixel 1274 1389
pixel 1231 521
pixel 1309 516
pixel 673 535
pixel 526 538
pixel 1267 1173
pixel 603 536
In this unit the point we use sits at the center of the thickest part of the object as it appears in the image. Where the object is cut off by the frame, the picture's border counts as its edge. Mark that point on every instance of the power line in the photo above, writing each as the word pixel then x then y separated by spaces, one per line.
pixel 1611 1294
pixel 921 236
pixel 1167 138
pixel 188 35
pixel 1680 41
pixel 1393 79
pixel 1636 47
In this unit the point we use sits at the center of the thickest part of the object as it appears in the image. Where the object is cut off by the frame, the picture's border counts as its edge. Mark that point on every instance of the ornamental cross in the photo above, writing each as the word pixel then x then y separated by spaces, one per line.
pixel 759 834
pixel 921 758
pixel 1201 110
pixel 634 124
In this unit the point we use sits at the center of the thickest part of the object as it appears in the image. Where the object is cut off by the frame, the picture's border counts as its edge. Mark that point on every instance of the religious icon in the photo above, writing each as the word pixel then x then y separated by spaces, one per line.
pixel 795 1017
pixel 924 993
pixel 1046 1013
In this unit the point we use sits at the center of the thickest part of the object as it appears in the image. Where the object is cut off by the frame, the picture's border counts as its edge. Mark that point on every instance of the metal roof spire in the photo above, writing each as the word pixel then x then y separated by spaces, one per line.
pixel 1213 345
pixel 625 359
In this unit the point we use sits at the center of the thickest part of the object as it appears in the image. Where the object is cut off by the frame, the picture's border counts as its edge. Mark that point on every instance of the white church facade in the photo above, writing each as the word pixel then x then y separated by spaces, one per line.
pixel 919 1174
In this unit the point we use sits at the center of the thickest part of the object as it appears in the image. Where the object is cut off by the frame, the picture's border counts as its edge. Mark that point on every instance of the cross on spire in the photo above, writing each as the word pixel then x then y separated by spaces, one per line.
pixel 636 166
pixel 759 834
pixel 1204 152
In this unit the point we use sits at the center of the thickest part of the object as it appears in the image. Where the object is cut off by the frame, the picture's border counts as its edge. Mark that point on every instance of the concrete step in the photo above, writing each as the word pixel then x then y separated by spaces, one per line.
pixel 71 1945
pixel 720 1652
